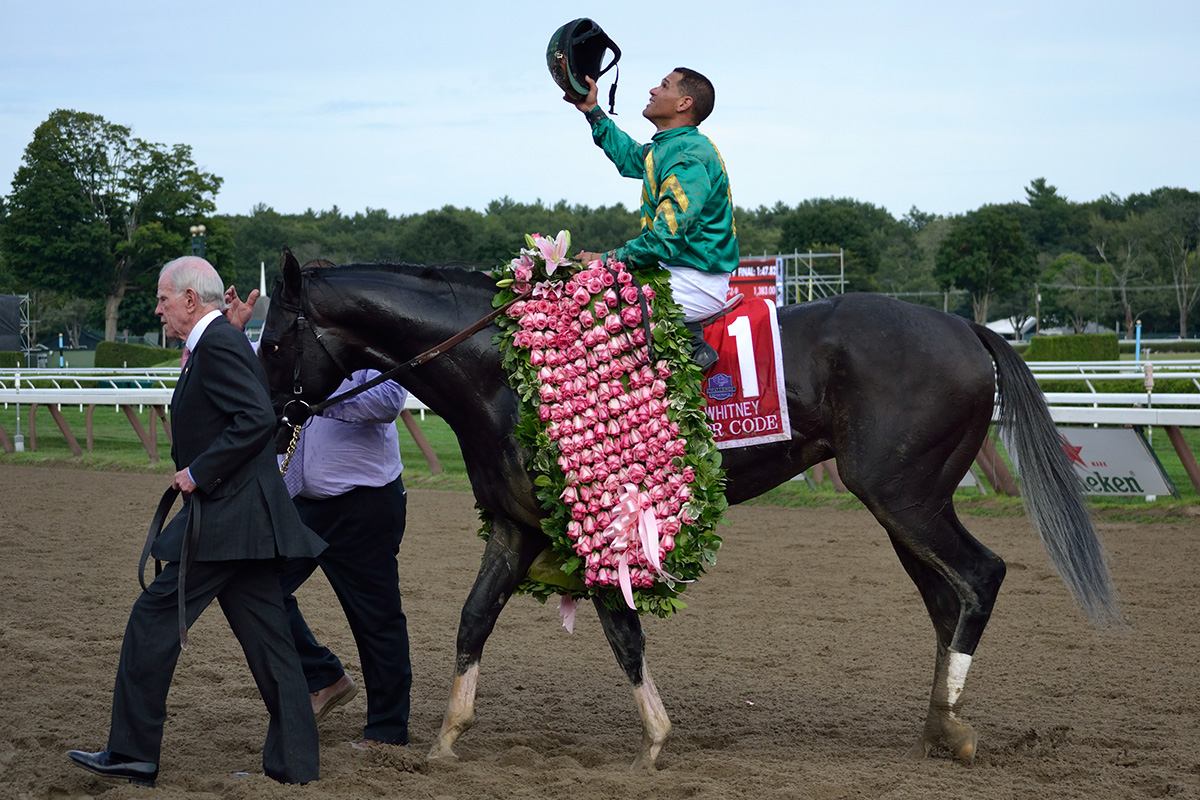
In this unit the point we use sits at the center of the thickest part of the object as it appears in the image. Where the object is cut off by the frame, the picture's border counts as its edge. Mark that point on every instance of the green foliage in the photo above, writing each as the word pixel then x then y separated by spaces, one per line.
pixel 897 257
pixel 1126 245
pixel 1073 292
pixel 1123 249
pixel 1190 347
pixel 12 359
pixel 862 230
pixel 122 354
pixel 1054 224
pixel 1080 347
pixel 1174 242
pixel 443 236
pixel 758 230
pixel 986 253
pixel 94 210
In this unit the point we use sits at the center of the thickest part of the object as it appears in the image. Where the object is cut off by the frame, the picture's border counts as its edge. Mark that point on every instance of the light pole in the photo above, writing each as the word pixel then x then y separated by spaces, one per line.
pixel 198 240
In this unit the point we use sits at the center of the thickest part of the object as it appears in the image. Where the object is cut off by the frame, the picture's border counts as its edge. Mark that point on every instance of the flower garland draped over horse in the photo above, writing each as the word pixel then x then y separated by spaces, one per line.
pixel 610 405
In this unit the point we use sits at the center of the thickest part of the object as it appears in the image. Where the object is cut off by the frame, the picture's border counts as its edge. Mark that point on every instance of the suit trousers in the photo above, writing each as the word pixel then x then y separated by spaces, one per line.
pixel 363 528
pixel 248 591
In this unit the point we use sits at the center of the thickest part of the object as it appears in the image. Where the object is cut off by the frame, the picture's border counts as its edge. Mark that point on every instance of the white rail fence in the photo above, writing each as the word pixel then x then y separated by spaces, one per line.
pixel 1137 405
pixel 128 390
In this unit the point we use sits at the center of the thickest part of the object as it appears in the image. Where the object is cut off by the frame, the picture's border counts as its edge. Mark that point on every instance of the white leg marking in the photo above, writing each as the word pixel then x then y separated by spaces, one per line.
pixel 462 694
pixel 460 713
pixel 656 725
pixel 957 665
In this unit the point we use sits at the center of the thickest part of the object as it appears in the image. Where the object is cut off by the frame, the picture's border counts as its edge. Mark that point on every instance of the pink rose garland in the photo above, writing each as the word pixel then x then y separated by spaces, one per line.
pixel 605 406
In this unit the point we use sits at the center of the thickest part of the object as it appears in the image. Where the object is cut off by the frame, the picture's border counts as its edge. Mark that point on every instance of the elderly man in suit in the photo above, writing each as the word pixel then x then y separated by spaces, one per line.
pixel 236 524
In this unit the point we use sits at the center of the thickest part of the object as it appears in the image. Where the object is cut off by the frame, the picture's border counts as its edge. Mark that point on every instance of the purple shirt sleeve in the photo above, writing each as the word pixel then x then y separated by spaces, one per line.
pixel 382 403
pixel 354 443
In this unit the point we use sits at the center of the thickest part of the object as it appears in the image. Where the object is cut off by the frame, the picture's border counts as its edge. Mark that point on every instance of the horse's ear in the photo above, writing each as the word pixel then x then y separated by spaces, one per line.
pixel 290 267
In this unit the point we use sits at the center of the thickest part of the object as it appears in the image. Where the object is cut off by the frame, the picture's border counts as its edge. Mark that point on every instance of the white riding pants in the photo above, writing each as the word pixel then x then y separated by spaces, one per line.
pixel 701 294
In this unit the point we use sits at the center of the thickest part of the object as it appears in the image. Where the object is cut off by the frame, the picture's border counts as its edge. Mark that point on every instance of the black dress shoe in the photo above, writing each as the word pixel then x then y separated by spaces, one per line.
pixel 114 765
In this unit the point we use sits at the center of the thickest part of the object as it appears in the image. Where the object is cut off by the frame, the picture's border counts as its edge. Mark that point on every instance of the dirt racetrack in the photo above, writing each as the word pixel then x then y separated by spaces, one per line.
pixel 801 669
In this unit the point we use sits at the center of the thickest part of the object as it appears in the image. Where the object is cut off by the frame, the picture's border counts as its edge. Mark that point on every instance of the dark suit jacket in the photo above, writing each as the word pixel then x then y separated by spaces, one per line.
pixel 223 431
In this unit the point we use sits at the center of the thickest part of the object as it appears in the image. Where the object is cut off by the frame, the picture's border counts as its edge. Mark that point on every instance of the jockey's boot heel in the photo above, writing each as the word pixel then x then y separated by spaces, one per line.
pixel 703 353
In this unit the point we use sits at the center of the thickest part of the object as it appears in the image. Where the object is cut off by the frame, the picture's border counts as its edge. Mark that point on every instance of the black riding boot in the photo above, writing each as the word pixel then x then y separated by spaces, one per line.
pixel 703 353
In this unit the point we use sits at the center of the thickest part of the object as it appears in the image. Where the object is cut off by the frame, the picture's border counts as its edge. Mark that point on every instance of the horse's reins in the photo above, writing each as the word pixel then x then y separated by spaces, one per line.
pixel 307 410
pixel 187 553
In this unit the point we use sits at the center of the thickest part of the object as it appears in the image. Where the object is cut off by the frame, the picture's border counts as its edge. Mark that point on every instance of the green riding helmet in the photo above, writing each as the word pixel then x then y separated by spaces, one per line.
pixel 577 49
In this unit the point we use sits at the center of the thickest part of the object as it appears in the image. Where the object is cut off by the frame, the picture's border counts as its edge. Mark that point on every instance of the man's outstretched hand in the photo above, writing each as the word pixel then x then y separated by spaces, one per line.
pixel 237 312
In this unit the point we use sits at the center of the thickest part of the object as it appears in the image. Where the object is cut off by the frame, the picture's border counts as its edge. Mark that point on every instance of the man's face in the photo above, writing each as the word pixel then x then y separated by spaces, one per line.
pixel 664 100
pixel 173 310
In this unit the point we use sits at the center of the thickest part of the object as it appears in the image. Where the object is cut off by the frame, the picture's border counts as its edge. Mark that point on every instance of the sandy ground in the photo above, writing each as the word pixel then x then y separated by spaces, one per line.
pixel 800 669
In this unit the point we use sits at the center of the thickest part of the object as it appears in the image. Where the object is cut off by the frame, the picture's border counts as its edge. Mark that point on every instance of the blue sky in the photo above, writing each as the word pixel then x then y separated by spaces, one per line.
pixel 407 107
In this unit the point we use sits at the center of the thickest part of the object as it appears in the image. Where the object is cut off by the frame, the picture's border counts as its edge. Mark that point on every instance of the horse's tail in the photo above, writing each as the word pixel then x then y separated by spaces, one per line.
pixel 1049 486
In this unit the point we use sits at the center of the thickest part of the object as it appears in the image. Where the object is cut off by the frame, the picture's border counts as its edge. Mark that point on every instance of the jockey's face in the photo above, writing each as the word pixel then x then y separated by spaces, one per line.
pixel 668 106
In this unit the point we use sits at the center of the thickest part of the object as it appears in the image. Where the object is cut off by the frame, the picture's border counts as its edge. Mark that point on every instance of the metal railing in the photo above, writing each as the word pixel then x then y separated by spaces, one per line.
pixel 99 386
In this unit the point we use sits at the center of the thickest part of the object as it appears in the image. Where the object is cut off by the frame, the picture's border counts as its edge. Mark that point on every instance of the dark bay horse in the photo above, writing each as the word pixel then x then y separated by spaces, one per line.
pixel 901 395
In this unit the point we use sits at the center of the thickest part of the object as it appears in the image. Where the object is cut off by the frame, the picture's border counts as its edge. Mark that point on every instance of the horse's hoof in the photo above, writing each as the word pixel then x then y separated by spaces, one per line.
pixel 920 750
pixel 441 753
pixel 643 764
pixel 964 748
pixel 962 744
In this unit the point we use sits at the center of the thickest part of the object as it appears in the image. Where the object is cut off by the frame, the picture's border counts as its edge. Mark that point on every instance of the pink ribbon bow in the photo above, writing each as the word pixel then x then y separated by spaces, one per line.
pixel 633 522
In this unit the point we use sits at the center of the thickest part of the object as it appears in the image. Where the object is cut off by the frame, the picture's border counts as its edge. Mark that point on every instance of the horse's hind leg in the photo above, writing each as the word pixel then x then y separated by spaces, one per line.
pixel 958 579
pixel 506 559
pixel 624 631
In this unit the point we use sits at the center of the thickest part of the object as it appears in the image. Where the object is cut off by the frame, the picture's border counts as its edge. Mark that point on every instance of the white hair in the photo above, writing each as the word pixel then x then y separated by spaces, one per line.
pixel 193 272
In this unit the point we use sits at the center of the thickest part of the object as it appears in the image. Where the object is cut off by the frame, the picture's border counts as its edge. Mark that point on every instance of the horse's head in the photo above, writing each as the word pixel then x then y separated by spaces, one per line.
pixel 297 355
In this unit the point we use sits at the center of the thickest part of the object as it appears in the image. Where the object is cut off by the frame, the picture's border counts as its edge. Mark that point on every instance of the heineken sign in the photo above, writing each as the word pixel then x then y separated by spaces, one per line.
pixel 1115 461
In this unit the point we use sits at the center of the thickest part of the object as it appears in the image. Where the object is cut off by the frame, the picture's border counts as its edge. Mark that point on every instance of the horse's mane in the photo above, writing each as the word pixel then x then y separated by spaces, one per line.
pixel 450 272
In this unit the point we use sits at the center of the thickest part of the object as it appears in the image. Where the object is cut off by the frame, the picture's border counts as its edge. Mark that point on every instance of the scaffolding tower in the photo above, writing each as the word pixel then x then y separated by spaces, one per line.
pixel 801 280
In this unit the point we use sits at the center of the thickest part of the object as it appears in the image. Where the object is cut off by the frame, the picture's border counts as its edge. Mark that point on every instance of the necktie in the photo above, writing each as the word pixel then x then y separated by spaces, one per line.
pixel 184 358
pixel 293 479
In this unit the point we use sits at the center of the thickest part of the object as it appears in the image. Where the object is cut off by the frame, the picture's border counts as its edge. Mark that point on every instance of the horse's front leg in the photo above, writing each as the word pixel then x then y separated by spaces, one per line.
pixel 624 631
pixel 509 552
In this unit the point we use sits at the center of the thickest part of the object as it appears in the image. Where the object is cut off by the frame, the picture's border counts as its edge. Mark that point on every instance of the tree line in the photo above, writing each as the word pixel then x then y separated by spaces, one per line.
pixel 93 212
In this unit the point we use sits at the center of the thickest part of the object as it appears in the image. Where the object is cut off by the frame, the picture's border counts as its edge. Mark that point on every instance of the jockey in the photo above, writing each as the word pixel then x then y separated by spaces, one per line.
pixel 687 210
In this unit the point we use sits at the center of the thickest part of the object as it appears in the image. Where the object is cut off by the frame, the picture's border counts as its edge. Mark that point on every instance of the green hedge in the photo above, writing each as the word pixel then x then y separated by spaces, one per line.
pixel 1076 347
pixel 1161 386
pixel 12 359
pixel 120 354
pixel 1162 346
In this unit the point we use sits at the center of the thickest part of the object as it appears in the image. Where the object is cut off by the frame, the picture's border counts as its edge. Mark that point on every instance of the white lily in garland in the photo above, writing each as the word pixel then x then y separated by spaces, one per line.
pixel 554 252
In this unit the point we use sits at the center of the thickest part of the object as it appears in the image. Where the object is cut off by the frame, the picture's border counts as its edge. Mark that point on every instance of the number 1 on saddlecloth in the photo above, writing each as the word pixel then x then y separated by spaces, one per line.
pixel 739 329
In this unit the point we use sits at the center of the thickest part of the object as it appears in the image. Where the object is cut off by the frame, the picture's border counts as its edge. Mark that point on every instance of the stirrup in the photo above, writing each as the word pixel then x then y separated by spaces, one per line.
pixel 703 353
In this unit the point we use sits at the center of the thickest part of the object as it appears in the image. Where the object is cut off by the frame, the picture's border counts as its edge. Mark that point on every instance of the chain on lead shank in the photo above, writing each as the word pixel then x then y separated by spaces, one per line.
pixel 291 450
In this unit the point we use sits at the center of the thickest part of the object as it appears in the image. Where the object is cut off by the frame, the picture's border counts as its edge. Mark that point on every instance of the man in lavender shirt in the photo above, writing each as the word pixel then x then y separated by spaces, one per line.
pixel 345 481
pixel 351 494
